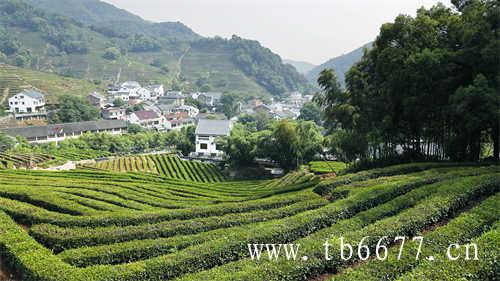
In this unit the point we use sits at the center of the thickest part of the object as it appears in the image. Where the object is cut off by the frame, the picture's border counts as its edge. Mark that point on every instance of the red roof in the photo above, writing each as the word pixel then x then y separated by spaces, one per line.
pixel 146 115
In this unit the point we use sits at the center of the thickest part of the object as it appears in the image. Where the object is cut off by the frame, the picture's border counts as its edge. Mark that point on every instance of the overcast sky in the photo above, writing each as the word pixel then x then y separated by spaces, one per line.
pixel 307 30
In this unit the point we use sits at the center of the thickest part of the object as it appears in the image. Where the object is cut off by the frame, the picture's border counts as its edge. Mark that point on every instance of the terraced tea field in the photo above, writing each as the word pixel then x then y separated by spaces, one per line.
pixel 22 160
pixel 100 225
pixel 165 165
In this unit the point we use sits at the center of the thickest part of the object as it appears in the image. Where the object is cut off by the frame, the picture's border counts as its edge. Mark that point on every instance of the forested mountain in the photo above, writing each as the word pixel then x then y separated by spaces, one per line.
pixel 302 66
pixel 96 41
pixel 108 19
pixel 340 64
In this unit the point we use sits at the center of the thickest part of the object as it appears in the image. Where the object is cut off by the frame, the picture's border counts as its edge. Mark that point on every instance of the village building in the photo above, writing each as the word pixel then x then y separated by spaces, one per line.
pixel 114 113
pixel 156 90
pixel 96 99
pixel 148 119
pixel 28 104
pixel 174 98
pixel 210 99
pixel 177 124
pixel 60 132
pixel 208 132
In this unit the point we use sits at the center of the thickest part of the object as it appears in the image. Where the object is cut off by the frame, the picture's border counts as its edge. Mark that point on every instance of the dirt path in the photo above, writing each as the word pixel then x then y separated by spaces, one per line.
pixel 5 95
pixel 179 62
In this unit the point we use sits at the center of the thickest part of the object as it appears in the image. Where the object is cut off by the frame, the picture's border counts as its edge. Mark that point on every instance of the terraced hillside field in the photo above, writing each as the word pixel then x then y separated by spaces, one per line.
pixel 22 160
pixel 165 165
pixel 97 225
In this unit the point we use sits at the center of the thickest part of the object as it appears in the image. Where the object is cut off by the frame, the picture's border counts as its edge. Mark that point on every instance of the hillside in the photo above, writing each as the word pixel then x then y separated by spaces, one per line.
pixel 340 64
pixel 302 66
pixel 85 40
pixel 14 79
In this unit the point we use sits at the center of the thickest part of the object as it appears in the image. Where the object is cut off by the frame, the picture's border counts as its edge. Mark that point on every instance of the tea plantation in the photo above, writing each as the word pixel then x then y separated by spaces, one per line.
pixel 165 165
pixel 104 225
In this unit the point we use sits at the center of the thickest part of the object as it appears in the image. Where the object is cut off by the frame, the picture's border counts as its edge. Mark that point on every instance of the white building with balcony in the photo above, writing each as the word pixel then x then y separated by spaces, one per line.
pixel 27 101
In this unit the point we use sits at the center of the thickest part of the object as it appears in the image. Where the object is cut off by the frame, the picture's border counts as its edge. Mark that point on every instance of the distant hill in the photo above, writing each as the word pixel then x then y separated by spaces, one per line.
pixel 105 17
pixel 93 40
pixel 340 64
pixel 301 66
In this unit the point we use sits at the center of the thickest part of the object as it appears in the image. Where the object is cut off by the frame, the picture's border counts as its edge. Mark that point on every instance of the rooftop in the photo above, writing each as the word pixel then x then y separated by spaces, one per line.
pixel 213 127
pixel 174 95
pixel 67 128
pixel 32 94
pixel 146 114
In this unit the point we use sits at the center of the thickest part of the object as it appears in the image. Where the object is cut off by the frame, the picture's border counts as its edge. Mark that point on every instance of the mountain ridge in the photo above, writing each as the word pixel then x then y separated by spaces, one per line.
pixel 340 64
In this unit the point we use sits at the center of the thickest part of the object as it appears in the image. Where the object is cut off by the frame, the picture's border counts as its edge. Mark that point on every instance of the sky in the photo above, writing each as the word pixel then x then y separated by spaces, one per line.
pixel 305 30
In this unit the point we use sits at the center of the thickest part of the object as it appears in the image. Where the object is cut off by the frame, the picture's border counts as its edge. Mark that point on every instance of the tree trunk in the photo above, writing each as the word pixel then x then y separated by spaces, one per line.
pixel 496 149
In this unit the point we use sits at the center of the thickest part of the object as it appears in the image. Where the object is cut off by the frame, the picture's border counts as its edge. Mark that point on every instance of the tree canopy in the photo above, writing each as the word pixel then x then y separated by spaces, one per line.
pixel 428 87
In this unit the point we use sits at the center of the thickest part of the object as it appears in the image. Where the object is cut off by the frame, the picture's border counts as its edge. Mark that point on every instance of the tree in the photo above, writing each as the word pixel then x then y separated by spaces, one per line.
pixel 284 145
pixel 475 109
pixel 111 53
pixel 229 105
pixel 118 102
pixel 74 109
pixel 310 112
pixel 241 146
pixel 186 140
pixel 262 119
pixel 135 128
pixel 429 86
pixel 310 141
pixel 6 142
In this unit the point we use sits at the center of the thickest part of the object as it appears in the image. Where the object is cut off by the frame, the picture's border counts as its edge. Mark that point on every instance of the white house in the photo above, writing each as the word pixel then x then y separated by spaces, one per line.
pixel 208 132
pixel 191 110
pixel 114 113
pixel 145 94
pixel 156 90
pixel 27 101
pixel 121 94
pixel 148 119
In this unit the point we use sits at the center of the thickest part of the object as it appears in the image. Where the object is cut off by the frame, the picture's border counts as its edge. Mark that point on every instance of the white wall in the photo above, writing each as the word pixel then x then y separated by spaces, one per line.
pixel 211 143
pixel 25 103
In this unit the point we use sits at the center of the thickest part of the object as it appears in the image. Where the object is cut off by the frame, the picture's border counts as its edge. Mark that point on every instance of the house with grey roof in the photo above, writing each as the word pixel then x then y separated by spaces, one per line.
pixel 208 133
pixel 175 98
pixel 59 132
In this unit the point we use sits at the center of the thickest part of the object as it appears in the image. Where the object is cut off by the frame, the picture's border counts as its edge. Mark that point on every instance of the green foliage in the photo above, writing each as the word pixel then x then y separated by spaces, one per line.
pixel 326 167
pixel 111 53
pixel 288 143
pixel 74 109
pixel 311 112
pixel 186 140
pixel 118 102
pixel 439 104
pixel 165 165
pixel 6 142
pixel 97 225
pixel 229 105
pixel 143 43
